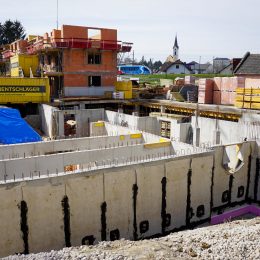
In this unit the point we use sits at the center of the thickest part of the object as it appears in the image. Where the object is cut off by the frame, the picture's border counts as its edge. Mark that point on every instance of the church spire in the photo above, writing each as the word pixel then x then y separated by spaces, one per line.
pixel 176 43
pixel 175 49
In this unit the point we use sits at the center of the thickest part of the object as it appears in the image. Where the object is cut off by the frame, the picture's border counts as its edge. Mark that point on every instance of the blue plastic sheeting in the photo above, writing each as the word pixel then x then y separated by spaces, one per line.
pixel 14 129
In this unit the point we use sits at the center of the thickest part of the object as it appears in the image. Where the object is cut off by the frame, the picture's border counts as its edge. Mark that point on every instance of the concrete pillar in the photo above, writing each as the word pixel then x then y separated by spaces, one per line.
pixel 137 110
pixel 216 137
pixel 162 109
pixel 78 123
pixel 60 124
pixel 196 137
pixel 81 105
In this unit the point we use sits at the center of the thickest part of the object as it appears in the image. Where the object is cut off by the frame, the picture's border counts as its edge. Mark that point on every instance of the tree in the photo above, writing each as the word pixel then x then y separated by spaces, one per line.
pixel 11 31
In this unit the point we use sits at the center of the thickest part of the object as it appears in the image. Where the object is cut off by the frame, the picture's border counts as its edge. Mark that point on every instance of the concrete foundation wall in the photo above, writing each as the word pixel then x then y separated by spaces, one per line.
pixel 248 127
pixel 230 188
pixel 58 146
pixel 56 163
pixel 146 124
pixel 48 125
pixel 86 208
pixel 83 118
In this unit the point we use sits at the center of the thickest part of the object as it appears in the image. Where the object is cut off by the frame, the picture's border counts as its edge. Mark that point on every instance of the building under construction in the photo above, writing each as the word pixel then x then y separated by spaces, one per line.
pixel 106 169
pixel 79 61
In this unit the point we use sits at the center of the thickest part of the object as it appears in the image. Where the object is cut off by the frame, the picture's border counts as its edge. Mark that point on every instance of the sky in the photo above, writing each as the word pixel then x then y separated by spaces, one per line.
pixel 205 28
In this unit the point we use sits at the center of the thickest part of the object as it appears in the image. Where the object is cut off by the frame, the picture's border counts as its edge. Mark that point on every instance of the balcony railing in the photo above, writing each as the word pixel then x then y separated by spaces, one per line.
pixel 79 43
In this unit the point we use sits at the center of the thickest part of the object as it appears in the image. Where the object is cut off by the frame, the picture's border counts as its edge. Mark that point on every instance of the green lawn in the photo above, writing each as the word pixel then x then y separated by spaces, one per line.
pixel 155 78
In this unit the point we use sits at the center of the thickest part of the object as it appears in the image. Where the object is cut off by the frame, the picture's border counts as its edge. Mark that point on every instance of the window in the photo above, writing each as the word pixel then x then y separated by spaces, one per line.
pixel 94 58
pixel 94 81
pixel 177 66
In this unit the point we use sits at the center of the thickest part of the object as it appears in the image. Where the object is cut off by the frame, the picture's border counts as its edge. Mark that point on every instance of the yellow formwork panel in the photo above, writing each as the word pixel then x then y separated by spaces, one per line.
pixel 248 91
pixel 157 145
pixel 99 124
pixel 24 62
pixel 241 98
pixel 249 105
pixel 24 90
pixel 136 136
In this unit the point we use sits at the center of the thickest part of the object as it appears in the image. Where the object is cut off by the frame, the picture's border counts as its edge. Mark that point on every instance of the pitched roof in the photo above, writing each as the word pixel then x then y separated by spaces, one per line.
pixel 250 64
pixel 165 66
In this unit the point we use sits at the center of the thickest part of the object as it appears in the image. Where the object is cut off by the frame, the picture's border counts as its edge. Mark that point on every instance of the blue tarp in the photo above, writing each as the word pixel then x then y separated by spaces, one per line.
pixel 14 129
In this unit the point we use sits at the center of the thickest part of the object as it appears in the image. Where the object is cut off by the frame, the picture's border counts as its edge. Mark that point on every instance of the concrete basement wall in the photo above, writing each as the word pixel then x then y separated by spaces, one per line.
pixel 146 124
pixel 56 163
pixel 58 146
pixel 82 116
pixel 47 120
pixel 224 182
pixel 208 126
pixel 107 204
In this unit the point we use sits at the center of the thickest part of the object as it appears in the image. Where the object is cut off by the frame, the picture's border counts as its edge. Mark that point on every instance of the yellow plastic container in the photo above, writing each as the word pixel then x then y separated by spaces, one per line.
pixel 23 62
pixel 24 90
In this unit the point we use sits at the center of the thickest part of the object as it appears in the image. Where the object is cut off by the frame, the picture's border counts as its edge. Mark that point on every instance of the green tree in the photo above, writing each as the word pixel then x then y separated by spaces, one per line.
pixel 11 31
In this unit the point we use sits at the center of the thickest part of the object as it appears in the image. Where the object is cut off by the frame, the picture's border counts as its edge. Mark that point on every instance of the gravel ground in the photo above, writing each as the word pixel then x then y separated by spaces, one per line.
pixel 238 239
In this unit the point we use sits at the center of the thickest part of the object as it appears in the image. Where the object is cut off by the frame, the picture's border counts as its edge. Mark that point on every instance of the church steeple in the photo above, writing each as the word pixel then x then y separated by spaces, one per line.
pixel 176 49
pixel 176 42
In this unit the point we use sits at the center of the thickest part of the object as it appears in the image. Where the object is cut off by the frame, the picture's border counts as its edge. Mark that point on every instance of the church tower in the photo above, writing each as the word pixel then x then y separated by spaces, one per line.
pixel 176 49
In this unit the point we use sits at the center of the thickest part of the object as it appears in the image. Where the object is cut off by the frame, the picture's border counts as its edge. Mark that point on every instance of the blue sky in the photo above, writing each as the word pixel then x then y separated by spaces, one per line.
pixel 206 28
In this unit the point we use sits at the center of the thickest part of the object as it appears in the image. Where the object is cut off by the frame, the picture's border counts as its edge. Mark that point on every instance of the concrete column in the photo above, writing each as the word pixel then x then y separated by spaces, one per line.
pixel 81 105
pixel 78 123
pixel 162 109
pixel 196 137
pixel 60 124
pixel 216 137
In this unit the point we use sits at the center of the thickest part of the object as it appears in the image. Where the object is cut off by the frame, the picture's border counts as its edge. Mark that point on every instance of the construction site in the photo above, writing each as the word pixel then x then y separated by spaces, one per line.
pixel 103 157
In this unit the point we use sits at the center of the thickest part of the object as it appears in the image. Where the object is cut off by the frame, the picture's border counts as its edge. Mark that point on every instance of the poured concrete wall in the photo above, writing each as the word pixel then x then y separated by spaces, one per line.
pixel 44 165
pixel 147 124
pixel 83 118
pixel 247 127
pixel 231 186
pixel 208 127
pixel 48 124
pixel 66 145
pixel 100 205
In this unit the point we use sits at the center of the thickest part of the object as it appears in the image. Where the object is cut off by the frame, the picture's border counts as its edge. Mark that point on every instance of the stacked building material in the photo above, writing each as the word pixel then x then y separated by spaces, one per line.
pixel 189 79
pixel 249 95
pixel 225 89
pixel 205 94
pixel 217 90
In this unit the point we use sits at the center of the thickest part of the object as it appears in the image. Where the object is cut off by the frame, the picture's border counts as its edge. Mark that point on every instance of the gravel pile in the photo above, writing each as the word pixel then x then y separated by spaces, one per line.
pixel 233 240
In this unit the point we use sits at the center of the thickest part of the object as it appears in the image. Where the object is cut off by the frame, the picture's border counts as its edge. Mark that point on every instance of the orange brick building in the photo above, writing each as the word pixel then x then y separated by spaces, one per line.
pixel 79 61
